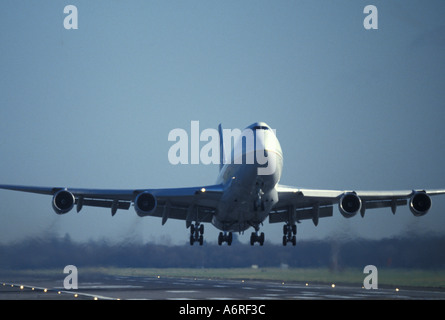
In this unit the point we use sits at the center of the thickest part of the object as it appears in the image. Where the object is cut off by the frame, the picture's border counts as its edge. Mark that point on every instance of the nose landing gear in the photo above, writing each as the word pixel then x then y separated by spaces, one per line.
pixel 255 237
pixel 258 204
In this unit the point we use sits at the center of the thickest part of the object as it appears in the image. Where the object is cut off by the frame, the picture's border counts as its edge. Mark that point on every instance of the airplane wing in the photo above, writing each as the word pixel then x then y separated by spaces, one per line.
pixel 298 204
pixel 189 204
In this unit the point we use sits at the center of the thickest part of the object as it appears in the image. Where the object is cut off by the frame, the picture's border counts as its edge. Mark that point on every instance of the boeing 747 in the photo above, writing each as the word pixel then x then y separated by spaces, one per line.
pixel 247 192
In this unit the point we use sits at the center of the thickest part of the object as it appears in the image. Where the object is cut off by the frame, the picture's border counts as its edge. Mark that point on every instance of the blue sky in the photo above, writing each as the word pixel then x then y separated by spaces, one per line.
pixel 92 107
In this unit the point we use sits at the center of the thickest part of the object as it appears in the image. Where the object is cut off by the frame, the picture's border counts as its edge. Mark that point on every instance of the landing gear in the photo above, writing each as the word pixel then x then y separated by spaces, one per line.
pixel 289 232
pixel 225 237
pixel 254 237
pixel 196 233
pixel 258 204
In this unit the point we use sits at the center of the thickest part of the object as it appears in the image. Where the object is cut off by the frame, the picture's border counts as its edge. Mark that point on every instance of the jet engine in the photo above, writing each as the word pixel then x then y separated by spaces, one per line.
pixel 145 203
pixel 63 201
pixel 349 204
pixel 420 203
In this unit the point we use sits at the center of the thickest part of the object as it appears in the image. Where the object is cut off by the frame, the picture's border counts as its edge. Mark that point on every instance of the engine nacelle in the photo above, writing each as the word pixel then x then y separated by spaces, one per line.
pixel 349 204
pixel 145 203
pixel 63 201
pixel 420 203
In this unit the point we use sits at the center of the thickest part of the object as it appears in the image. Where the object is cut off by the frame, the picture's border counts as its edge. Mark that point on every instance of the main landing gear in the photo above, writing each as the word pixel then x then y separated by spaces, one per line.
pixel 225 237
pixel 289 232
pixel 196 233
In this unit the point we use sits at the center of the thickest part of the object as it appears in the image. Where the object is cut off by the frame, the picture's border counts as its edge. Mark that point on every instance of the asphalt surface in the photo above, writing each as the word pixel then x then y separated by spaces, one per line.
pixel 166 288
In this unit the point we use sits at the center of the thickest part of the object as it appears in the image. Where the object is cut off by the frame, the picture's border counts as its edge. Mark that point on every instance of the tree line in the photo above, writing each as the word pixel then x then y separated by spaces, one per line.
pixel 57 252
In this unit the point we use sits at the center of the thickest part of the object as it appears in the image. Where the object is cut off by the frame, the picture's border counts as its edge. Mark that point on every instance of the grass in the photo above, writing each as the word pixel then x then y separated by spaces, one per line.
pixel 389 277
pixel 352 276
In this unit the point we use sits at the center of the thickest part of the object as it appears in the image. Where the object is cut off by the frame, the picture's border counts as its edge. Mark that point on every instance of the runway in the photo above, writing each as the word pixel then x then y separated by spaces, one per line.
pixel 169 288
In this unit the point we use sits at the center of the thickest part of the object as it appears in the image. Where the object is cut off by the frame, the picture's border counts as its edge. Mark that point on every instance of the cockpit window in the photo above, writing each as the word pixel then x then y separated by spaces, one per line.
pixel 260 128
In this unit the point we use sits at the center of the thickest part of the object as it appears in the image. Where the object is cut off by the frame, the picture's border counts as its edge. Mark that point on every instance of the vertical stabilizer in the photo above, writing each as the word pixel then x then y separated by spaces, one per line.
pixel 221 147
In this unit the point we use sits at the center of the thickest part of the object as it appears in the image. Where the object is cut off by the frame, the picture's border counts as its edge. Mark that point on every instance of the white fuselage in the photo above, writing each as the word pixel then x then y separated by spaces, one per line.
pixel 249 186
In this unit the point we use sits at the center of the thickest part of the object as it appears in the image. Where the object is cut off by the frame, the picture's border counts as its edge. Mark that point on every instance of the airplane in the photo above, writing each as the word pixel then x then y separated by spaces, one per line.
pixel 242 197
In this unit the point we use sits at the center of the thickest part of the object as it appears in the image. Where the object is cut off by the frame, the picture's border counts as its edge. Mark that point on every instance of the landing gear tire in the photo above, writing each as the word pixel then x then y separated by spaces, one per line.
pixel 196 234
pixel 193 240
pixel 254 237
pixel 293 239
pixel 289 234
pixel 225 237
